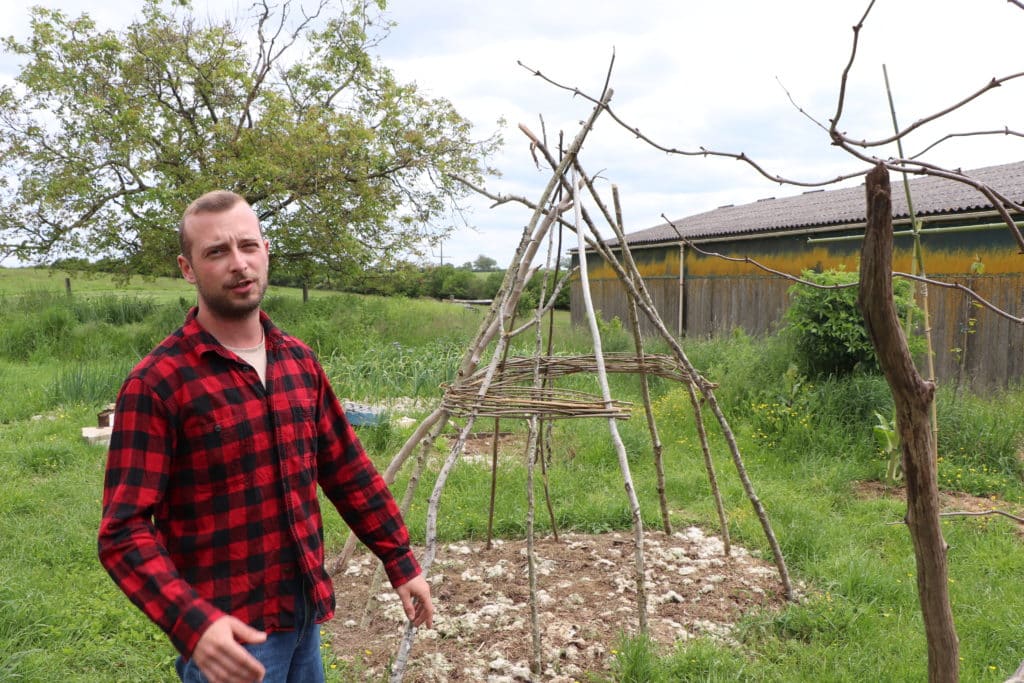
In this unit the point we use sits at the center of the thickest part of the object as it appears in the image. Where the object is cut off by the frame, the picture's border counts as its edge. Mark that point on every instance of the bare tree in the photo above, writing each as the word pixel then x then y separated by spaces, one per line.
pixel 913 397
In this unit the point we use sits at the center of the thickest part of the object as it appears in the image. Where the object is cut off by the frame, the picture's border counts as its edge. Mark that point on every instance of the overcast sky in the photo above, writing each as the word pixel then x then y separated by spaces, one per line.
pixel 689 74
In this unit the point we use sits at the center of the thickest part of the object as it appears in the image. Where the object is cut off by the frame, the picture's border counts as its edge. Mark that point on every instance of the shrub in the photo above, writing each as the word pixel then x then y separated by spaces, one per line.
pixel 827 330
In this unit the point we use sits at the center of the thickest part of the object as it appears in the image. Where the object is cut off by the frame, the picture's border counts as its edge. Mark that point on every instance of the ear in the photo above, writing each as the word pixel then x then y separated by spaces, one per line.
pixel 186 269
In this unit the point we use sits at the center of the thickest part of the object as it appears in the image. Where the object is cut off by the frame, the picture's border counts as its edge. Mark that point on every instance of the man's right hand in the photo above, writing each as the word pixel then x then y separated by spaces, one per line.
pixel 222 659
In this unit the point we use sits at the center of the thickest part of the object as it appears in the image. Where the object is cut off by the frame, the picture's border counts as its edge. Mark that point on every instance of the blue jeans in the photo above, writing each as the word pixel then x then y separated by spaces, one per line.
pixel 288 656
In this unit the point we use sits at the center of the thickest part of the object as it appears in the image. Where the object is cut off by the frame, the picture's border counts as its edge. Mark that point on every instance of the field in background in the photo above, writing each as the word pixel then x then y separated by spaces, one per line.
pixel 809 449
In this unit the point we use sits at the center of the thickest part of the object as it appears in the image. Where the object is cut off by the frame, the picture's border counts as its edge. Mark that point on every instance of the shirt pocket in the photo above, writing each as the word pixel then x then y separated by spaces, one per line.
pixel 304 425
pixel 218 449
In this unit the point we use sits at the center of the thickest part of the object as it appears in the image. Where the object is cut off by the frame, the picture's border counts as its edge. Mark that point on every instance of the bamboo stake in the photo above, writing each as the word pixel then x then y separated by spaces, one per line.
pixel 709 466
pixel 531 459
pixel 540 382
pixel 620 448
pixel 531 552
pixel 698 417
pixel 494 481
pixel 645 388
pixel 917 268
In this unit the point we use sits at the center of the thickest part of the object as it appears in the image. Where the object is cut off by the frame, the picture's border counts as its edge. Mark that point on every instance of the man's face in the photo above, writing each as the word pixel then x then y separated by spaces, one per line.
pixel 228 261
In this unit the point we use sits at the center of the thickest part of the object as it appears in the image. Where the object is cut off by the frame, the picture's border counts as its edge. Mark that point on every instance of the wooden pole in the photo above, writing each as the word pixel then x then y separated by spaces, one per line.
pixel 912 397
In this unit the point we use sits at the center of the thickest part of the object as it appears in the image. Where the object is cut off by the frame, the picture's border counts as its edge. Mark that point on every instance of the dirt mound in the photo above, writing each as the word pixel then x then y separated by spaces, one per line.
pixel 586 596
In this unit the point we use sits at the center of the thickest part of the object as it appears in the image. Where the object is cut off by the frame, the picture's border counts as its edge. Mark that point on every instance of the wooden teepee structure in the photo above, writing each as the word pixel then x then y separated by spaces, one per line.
pixel 523 388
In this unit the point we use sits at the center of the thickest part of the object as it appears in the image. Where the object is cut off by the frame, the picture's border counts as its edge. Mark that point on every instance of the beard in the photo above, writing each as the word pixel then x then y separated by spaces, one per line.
pixel 224 303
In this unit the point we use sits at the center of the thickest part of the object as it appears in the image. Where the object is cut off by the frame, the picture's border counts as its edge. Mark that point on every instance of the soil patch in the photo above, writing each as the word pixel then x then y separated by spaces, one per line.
pixel 949 501
pixel 586 597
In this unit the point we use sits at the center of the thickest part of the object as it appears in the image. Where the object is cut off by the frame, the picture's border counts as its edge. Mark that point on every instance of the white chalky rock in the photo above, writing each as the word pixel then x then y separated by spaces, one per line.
pixel 575 599
pixel 521 672
pixel 544 599
pixel 497 571
pixel 499 665
pixel 494 609
pixel 437 665
pixel 350 623
pixel 670 596
pixel 468 575
pixel 395 612
pixel 707 588
pixel 546 567
pixel 761 571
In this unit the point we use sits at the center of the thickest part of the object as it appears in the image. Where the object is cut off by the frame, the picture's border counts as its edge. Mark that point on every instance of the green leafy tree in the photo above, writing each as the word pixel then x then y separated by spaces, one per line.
pixel 484 264
pixel 107 135
pixel 828 330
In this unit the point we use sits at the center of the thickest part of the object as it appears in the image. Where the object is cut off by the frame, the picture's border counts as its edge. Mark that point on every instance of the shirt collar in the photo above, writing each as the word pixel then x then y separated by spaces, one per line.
pixel 202 342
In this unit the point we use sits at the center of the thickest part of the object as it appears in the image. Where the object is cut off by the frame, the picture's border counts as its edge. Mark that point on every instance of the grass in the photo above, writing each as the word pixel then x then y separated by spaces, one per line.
pixel 806 446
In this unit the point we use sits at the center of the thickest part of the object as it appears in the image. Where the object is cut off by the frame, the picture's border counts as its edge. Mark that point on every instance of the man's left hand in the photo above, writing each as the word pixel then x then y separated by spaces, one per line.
pixel 415 595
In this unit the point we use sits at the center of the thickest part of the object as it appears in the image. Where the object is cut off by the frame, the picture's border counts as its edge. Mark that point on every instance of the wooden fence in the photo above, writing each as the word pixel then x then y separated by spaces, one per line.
pixel 973 346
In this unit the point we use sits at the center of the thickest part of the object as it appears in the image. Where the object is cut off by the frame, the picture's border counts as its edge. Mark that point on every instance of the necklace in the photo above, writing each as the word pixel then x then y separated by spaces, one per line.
pixel 251 349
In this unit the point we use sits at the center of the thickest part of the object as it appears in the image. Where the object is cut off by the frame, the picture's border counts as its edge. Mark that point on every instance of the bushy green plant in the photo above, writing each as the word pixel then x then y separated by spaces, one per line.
pixel 745 368
pixel 827 330
pixel 614 336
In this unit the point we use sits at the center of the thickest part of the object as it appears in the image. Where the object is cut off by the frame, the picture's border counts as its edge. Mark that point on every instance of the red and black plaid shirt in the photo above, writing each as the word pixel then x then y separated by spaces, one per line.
pixel 210 502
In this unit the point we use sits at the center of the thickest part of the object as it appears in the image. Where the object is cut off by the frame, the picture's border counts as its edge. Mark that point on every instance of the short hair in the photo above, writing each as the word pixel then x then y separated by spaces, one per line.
pixel 211 202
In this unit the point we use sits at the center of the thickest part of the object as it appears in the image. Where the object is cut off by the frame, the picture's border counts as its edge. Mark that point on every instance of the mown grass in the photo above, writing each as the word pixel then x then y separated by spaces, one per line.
pixel 806 445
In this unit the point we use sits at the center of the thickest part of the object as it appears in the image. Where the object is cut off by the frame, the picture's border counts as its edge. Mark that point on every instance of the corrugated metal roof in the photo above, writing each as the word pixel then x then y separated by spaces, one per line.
pixel 820 208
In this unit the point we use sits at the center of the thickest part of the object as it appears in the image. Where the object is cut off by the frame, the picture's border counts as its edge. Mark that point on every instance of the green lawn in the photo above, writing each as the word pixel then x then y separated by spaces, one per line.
pixel 807 449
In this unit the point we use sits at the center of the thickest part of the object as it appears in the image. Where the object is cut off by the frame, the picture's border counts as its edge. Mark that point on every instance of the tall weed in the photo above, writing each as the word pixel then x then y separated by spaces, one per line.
pixel 87 384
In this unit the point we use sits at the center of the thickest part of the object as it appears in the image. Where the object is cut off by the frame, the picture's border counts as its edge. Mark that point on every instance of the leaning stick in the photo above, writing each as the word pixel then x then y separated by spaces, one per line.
pixel 645 388
pixel 694 402
pixel 620 448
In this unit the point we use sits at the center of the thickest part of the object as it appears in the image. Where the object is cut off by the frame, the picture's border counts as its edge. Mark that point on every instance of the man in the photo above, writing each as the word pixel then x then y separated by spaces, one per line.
pixel 211 524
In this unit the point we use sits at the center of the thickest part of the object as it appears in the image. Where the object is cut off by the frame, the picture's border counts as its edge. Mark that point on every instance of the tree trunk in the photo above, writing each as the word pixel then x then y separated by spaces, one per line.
pixel 912 397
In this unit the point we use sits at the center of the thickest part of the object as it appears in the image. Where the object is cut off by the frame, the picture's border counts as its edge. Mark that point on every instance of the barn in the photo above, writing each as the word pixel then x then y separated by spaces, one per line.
pixel 963 240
